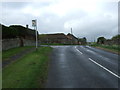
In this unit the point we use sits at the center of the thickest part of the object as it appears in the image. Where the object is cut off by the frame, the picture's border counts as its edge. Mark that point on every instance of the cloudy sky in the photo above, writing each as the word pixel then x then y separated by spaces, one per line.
pixel 88 18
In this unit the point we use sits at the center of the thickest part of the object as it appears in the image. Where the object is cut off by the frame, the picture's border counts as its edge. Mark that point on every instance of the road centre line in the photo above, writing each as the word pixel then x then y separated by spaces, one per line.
pixel 78 50
pixel 104 68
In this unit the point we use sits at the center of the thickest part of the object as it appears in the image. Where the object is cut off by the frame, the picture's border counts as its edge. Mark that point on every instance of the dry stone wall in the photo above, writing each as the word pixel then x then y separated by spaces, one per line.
pixel 16 42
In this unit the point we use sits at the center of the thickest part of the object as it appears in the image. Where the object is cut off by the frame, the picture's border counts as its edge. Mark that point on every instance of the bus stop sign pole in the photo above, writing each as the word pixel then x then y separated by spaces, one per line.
pixel 34 24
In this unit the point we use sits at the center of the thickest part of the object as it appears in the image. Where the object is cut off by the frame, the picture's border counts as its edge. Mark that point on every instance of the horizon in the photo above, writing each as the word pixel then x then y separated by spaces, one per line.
pixel 64 33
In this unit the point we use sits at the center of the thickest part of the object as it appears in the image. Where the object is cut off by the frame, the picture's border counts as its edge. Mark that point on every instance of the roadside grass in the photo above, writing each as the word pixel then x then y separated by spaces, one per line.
pixel 57 44
pixel 28 72
pixel 112 48
pixel 8 53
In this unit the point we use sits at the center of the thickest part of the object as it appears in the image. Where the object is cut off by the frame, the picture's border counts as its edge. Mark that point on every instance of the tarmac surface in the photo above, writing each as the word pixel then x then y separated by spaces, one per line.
pixel 82 67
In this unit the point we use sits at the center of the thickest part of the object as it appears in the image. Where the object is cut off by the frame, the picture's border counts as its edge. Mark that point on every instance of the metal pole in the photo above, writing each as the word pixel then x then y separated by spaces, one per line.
pixel 71 30
pixel 71 37
pixel 36 35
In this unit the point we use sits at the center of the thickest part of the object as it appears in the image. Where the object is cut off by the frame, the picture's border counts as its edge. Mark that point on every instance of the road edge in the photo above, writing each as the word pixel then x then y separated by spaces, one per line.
pixel 108 50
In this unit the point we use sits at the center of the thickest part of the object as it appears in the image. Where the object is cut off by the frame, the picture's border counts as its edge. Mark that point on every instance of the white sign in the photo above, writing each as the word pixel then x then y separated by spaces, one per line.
pixel 33 23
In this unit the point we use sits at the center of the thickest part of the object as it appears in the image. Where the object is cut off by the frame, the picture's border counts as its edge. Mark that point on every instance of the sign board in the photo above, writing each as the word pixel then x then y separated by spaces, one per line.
pixel 33 23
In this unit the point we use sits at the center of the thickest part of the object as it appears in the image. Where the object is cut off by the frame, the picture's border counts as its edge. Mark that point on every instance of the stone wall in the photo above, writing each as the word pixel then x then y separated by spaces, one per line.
pixel 28 42
pixel 16 42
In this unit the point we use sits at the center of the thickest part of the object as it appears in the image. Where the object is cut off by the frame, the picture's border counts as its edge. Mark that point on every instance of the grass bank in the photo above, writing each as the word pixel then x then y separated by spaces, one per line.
pixel 28 72
pixel 11 52
pixel 110 48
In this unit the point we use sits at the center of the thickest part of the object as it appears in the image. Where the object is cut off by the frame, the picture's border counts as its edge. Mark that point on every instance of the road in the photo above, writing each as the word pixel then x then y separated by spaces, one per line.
pixel 82 67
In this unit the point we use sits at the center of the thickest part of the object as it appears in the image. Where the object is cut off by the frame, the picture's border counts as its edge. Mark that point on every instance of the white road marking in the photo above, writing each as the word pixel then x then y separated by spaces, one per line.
pixel 88 46
pixel 78 50
pixel 91 51
pixel 104 68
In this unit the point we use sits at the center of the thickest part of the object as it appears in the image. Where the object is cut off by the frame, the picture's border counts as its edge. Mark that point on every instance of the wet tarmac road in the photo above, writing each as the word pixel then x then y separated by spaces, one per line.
pixel 82 67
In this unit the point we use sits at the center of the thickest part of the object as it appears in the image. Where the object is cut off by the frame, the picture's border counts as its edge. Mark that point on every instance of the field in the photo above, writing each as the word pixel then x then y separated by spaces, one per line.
pixel 29 71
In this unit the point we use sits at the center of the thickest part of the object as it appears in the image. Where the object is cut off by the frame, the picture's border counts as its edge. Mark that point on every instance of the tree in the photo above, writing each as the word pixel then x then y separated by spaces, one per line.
pixel 83 40
pixel 101 40
pixel 116 37
pixel 15 31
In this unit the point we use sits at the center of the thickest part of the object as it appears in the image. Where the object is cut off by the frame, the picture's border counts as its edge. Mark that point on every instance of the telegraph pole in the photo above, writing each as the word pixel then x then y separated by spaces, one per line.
pixel 94 39
pixel 71 30
pixel 71 37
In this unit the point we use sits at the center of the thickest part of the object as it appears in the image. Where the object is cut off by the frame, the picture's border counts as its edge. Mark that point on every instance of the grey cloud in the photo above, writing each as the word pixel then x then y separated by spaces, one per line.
pixel 83 24
pixel 94 30
pixel 13 5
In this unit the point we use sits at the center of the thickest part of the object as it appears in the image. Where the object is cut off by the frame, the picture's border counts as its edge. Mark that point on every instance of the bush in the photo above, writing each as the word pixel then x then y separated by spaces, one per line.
pixel 16 31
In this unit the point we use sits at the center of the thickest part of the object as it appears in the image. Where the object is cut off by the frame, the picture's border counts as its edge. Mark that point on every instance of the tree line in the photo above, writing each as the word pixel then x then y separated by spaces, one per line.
pixel 103 40
pixel 16 31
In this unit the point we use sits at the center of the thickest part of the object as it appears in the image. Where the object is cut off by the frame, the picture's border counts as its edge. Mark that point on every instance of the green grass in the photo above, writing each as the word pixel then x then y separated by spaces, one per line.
pixel 115 48
pixel 29 71
pixel 7 53
pixel 56 44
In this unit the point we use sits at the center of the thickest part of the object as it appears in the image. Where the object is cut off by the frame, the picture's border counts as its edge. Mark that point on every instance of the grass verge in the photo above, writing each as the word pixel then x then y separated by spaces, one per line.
pixel 57 44
pixel 29 71
pixel 8 53
pixel 110 48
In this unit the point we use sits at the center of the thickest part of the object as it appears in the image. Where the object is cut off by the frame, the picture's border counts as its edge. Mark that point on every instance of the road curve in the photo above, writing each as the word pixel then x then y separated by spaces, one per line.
pixel 82 67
